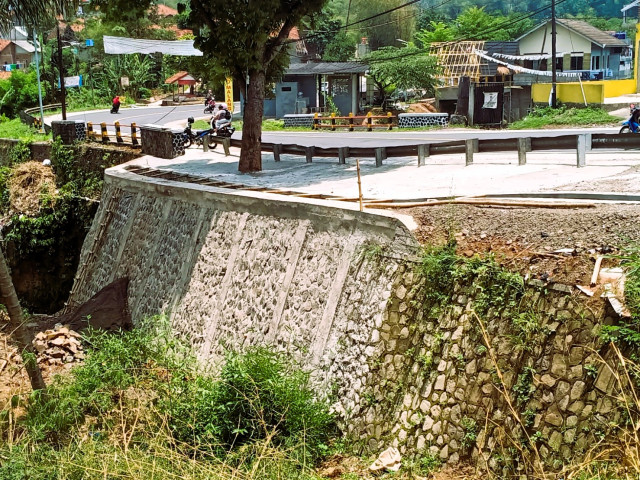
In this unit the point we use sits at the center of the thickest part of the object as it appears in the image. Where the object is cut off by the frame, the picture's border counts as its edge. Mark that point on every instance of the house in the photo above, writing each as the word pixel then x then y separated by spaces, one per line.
pixel 580 48
pixel 16 49
pixel 309 85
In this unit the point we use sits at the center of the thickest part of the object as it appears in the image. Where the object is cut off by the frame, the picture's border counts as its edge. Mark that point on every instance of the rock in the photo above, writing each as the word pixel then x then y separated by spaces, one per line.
pixel 548 380
pixel 553 419
pixel 389 460
pixel 555 440
pixel 440 382
pixel 576 390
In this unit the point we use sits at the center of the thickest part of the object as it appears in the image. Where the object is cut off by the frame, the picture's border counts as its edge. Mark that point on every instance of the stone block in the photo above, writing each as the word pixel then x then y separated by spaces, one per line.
pixel 440 382
pixel 555 440
pixel 576 390
pixel 553 418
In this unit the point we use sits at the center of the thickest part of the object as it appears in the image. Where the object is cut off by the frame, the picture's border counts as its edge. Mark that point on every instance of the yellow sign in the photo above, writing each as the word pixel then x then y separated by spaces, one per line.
pixel 228 93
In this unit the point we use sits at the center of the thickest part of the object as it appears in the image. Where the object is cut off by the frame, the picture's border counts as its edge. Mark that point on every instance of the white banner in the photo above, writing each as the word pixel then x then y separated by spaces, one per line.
pixel 73 81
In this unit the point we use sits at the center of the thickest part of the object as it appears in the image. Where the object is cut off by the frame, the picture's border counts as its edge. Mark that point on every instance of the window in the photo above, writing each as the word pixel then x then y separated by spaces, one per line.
pixel 595 63
pixel 577 63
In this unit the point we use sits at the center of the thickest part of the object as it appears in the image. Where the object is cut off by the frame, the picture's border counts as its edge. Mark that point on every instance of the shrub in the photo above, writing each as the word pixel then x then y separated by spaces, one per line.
pixel 259 396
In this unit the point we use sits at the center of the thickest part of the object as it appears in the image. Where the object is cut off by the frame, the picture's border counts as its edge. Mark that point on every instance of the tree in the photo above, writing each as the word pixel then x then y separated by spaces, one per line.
pixel 248 41
pixel 402 68
pixel 384 30
pixel 21 333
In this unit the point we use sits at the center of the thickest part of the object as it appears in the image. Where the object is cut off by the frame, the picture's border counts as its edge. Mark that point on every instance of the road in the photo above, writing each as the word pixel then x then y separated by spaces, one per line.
pixel 177 116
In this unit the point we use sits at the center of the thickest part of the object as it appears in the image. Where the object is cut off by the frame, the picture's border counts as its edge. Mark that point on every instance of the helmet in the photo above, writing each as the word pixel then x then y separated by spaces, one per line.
pixel 190 120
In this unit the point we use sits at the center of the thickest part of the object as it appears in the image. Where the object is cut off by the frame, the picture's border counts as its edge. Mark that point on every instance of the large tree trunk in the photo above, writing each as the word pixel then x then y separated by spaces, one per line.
pixel 251 153
pixel 20 332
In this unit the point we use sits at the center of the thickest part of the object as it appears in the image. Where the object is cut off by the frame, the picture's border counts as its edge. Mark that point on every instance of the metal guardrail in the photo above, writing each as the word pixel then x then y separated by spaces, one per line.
pixel 581 143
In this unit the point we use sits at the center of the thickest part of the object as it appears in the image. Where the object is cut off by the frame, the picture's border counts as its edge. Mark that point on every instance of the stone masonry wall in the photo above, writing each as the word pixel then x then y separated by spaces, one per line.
pixel 339 290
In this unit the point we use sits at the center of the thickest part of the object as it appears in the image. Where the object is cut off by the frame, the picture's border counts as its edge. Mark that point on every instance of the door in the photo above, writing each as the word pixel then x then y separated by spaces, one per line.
pixel 286 96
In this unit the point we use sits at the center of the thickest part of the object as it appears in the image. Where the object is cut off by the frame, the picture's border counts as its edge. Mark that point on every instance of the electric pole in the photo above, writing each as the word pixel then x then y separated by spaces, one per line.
pixel 553 54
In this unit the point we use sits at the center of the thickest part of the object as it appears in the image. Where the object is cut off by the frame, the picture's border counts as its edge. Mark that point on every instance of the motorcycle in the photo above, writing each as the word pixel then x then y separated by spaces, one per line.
pixel 631 125
pixel 199 136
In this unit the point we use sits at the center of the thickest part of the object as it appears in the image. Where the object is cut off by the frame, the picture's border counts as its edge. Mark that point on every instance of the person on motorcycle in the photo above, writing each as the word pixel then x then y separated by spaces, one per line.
pixel 208 98
pixel 115 104
pixel 221 118
pixel 635 117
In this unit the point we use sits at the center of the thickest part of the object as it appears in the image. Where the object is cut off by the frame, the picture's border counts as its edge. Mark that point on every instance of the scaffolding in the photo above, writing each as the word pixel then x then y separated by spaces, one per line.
pixel 457 59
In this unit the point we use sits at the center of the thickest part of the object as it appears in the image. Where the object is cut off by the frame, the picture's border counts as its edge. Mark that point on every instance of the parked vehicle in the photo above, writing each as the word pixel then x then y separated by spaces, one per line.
pixel 632 124
pixel 199 135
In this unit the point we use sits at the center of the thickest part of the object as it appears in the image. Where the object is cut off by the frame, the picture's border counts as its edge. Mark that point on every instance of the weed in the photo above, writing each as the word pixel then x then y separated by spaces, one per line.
pixel 373 251
pixel 591 370
pixel 543 117
pixel 20 153
pixel 523 389
pixel 470 428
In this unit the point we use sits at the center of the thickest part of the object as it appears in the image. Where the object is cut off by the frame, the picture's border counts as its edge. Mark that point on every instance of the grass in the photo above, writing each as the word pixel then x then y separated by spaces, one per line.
pixel 140 408
pixel 562 116
pixel 14 128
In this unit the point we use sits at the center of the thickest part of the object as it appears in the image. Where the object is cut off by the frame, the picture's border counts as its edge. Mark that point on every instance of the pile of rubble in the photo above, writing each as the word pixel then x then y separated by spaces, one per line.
pixel 58 346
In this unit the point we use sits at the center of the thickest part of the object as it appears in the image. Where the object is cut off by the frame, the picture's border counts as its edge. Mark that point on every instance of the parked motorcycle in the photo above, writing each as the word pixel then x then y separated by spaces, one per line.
pixel 632 125
pixel 199 136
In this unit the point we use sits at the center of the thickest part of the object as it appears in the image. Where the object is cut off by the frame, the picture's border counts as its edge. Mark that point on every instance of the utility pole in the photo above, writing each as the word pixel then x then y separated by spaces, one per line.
pixel 35 44
pixel 61 71
pixel 553 54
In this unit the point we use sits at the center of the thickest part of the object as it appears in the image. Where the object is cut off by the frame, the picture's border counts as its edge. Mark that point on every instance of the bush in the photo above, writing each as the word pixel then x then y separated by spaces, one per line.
pixel 547 116
pixel 259 395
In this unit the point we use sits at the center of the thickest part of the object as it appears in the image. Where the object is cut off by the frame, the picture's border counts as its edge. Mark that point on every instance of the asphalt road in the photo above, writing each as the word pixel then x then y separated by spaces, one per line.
pixel 177 116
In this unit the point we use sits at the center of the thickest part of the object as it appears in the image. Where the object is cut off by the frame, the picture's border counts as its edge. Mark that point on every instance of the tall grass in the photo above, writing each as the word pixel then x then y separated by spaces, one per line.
pixel 140 408
pixel 14 128
pixel 563 116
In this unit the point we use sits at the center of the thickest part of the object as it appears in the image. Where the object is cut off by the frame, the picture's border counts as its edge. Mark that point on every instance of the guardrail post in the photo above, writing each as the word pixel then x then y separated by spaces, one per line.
pixel 333 122
pixel 316 121
pixel 343 153
pixel 582 151
pixel 309 151
pixel 226 144
pixel 369 122
pixel 118 134
pixel 523 149
pixel 423 152
pixel 350 122
pixel 277 149
pixel 381 154
pixel 470 146
pixel 589 138
pixel 103 129
pixel 134 134
pixel 90 133
pixel 389 120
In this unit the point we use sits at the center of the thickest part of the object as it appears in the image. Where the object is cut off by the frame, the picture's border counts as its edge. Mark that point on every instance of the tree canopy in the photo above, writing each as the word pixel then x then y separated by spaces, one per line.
pixel 249 40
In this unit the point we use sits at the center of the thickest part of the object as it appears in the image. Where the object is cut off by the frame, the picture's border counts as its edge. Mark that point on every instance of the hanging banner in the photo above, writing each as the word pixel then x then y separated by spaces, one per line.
pixel 490 100
pixel 75 81
pixel 228 93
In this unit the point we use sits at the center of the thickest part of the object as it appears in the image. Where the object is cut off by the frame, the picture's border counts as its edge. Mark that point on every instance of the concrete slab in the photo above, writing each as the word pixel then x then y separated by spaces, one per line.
pixel 400 178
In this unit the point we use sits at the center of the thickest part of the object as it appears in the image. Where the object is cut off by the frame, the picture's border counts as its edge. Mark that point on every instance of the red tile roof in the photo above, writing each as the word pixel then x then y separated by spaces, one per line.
pixel 4 44
pixel 175 77
pixel 4 75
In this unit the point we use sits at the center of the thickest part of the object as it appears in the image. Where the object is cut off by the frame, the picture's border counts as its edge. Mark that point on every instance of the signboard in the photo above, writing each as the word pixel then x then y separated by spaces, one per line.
pixel 490 100
pixel 228 93
pixel 124 81
pixel 73 81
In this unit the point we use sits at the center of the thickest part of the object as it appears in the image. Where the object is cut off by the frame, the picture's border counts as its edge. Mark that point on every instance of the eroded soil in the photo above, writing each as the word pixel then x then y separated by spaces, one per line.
pixel 558 245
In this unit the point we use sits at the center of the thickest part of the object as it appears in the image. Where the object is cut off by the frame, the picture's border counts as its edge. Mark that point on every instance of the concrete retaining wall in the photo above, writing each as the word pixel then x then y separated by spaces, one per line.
pixel 338 289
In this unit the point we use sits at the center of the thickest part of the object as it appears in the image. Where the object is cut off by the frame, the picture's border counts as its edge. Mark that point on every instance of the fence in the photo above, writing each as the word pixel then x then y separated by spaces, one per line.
pixel 105 136
pixel 365 121
pixel 581 143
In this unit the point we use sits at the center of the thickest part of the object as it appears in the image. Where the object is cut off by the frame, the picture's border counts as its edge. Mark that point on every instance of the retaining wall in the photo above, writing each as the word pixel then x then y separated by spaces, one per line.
pixel 338 289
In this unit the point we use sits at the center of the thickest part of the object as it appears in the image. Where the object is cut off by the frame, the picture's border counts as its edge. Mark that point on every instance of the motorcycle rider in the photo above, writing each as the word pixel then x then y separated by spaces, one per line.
pixel 221 118
pixel 115 104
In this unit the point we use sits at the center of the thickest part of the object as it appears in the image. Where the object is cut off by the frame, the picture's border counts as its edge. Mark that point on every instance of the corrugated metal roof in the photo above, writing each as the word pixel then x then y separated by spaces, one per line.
pixel 326 68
